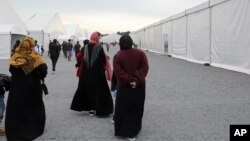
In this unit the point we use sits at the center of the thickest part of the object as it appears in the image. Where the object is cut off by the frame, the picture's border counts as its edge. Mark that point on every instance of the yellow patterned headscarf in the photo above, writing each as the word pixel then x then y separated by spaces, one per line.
pixel 25 56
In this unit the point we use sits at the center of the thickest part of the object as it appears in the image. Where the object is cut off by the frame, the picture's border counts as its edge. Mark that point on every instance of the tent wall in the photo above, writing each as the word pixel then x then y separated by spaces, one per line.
pixel 179 40
pixel 198 38
pixel 46 40
pixel 167 36
pixel 14 38
pixel 231 35
pixel 42 39
pixel 7 41
pixel 5 46
pixel 158 46
pixel 215 32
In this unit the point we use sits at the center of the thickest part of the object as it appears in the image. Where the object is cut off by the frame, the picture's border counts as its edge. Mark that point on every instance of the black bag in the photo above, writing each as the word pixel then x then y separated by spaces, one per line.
pixel 44 88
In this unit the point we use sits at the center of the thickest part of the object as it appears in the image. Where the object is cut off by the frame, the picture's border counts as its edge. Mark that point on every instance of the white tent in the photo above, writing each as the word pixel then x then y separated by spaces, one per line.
pixel 84 36
pixel 12 28
pixel 111 38
pixel 45 27
pixel 216 32
pixel 72 31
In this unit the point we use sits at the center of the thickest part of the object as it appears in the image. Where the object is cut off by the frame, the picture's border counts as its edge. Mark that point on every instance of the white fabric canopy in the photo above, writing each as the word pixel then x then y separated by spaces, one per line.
pixel 12 28
pixel 46 22
pixel 231 35
pixel 179 40
pixel 198 38
pixel 215 32
pixel 44 27
pixel 167 36
pixel 111 38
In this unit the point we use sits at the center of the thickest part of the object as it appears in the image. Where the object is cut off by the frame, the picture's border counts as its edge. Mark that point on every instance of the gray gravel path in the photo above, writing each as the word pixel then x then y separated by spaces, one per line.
pixel 184 102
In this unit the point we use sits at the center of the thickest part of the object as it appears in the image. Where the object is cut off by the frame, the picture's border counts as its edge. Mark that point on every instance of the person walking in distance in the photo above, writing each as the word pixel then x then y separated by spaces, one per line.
pixel 77 48
pixel 69 47
pixel 37 48
pixel 54 51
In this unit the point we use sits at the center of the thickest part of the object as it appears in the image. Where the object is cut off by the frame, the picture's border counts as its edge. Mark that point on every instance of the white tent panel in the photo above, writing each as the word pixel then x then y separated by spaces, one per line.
pixel 179 39
pixel 198 38
pixel 231 35
pixel 53 36
pixel 140 38
pixel 73 29
pixel 55 25
pixel 81 39
pixel 167 36
pixel 111 38
pixel 15 37
pixel 45 27
pixel 146 44
pixel 9 33
pixel 166 20
pixel 46 22
pixel 197 8
pixel 46 40
pixel 37 36
pixel 158 44
pixel 179 15
pixel 8 15
pixel 5 43
pixel 12 29
pixel 151 39
pixel 135 37
pixel 214 2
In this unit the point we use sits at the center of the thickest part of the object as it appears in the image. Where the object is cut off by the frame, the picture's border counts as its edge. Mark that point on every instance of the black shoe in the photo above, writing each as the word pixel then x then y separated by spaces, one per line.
pixel 92 113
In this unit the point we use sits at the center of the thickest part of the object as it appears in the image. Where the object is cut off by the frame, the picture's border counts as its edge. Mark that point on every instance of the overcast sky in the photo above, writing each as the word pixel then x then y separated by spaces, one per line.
pixel 106 16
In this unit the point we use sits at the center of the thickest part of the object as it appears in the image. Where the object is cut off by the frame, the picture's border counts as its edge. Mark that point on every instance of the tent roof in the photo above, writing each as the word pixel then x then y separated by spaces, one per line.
pixel 9 20
pixel 73 29
pixel 179 15
pixel 198 8
pixel 46 22
pixel 12 29
pixel 111 38
pixel 84 33
pixel 214 2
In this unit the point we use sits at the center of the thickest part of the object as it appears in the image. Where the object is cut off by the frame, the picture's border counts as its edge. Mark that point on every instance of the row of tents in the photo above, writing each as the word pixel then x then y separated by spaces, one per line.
pixel 216 32
pixel 41 26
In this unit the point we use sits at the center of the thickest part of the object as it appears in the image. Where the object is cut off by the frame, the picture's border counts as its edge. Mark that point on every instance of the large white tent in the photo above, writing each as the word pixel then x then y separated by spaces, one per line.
pixel 72 31
pixel 111 38
pixel 216 32
pixel 45 27
pixel 84 36
pixel 12 28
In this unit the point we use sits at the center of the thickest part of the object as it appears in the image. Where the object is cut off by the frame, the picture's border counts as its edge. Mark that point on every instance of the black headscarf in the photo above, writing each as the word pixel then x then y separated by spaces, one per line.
pixel 126 42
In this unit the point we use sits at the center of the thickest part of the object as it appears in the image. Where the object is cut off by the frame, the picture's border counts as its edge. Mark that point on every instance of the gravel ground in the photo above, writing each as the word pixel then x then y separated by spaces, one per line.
pixel 184 102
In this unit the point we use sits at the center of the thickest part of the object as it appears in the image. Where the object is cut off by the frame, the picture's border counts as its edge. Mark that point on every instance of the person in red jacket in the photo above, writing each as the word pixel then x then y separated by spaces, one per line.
pixel 131 68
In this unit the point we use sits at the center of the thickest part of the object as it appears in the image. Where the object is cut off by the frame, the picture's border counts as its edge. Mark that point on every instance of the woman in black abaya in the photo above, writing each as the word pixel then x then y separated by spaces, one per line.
pixel 93 93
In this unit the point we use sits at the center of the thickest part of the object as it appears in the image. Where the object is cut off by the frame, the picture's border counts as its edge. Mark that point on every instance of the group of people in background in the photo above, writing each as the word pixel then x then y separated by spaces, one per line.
pixel 25 113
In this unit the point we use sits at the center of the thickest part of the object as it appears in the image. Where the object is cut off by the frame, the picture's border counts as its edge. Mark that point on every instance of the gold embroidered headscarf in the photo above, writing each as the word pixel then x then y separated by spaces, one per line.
pixel 25 56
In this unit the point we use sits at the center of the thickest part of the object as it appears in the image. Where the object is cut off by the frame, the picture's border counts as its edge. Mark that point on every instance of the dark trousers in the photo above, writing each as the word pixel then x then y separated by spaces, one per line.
pixel 54 61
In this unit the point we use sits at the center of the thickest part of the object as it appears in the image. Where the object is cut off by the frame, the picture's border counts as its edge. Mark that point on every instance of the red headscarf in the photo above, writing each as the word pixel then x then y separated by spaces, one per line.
pixel 94 38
